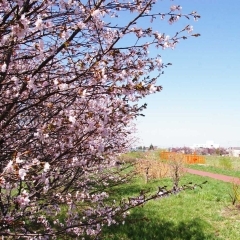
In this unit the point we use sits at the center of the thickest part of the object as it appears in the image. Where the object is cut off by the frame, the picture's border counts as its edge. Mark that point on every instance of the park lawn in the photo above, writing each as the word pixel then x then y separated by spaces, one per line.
pixel 202 213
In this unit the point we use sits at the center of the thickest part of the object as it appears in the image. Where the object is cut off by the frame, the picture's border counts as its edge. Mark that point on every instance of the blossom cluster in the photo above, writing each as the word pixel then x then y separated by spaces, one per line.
pixel 69 91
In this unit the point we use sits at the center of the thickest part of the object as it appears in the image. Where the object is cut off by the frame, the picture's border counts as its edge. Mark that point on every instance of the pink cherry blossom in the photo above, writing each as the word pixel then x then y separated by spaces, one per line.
pixel 173 8
pixel 38 23
pixel 46 167
pixel 95 13
pixel 70 87
pixel 189 29
pixel 9 167
pixel 22 173
pixel 81 25
pixel 4 67
pixel 23 199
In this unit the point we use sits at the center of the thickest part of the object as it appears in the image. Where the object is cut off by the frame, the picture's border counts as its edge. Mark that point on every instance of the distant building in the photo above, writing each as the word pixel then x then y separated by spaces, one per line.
pixel 234 151
pixel 208 144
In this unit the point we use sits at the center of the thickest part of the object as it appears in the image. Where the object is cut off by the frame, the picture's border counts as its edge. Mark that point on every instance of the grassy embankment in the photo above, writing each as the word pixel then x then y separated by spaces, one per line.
pixel 198 214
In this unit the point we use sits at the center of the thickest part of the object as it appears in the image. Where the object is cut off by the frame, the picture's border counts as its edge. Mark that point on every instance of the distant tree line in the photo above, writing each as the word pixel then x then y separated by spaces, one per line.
pixel 201 151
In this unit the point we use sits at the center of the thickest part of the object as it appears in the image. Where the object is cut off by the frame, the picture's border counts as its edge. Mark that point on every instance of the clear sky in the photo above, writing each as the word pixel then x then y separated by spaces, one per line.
pixel 200 100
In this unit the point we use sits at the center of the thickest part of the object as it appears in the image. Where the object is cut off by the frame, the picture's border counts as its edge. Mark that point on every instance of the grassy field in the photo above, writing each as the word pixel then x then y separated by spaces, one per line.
pixel 204 213
pixel 215 170
pixel 197 214
pixel 222 165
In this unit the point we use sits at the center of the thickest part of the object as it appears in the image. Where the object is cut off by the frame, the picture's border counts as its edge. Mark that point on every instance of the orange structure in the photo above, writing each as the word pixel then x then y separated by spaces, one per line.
pixel 187 158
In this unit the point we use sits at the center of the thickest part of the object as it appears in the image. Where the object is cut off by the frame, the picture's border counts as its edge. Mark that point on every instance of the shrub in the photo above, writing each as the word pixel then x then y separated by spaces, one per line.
pixel 176 164
pixel 235 193
pixel 152 169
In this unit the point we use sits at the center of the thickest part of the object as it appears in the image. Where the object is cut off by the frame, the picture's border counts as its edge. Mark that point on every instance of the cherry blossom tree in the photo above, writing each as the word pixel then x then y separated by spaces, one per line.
pixel 69 91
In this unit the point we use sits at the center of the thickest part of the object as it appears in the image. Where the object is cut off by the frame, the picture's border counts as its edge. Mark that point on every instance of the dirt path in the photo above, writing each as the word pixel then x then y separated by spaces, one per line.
pixel 223 178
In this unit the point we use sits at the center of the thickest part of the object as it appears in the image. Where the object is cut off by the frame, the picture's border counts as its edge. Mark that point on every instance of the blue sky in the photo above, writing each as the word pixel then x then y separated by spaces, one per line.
pixel 200 100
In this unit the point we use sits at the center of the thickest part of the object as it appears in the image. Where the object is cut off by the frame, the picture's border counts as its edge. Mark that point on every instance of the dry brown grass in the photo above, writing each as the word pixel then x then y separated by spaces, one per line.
pixel 152 169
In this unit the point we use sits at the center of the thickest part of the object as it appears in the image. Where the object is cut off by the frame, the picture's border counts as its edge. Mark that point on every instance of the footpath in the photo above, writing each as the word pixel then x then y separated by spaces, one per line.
pixel 220 177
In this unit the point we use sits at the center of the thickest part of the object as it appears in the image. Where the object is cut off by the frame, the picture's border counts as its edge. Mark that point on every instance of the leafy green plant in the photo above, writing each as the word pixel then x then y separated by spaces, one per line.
pixel 226 163
pixel 235 193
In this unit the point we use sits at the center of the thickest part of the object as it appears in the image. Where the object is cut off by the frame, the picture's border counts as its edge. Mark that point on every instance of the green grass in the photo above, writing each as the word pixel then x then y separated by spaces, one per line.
pixel 222 165
pixel 215 160
pixel 215 170
pixel 132 156
pixel 193 214
pixel 223 162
